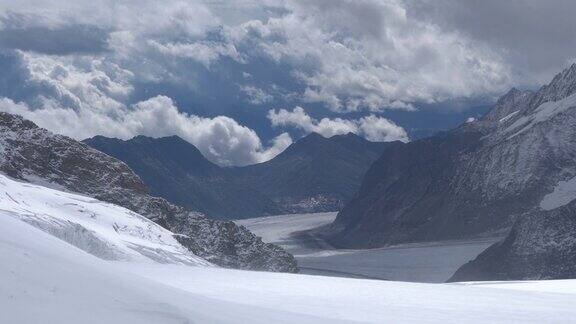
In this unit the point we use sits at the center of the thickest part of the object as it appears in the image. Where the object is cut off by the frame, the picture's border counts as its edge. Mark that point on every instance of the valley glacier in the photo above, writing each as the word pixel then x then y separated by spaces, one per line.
pixel 432 262
pixel 67 258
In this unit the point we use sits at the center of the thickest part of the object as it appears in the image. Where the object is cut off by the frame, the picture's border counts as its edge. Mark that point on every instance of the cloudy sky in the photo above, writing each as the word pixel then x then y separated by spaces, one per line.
pixel 243 79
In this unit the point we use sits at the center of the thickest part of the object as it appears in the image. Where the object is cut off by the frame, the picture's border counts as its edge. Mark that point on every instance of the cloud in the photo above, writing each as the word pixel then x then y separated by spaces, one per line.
pixel 354 55
pixel 373 128
pixel 221 139
pixel 89 67
pixel 256 96
pixel 535 38
pixel 206 53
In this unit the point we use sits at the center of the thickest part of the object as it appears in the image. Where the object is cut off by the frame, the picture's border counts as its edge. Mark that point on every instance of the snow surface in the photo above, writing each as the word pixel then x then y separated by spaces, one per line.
pixel 107 231
pixel 420 262
pixel 563 193
pixel 44 279
pixel 507 117
pixel 544 112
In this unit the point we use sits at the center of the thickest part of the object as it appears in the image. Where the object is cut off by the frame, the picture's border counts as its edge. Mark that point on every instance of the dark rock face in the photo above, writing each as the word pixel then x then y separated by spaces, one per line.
pixel 541 245
pixel 315 174
pixel 480 179
pixel 176 170
pixel 36 155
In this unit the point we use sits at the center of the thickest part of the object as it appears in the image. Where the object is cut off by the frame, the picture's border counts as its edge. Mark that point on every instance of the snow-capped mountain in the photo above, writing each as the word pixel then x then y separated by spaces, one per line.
pixel 33 154
pixel 510 167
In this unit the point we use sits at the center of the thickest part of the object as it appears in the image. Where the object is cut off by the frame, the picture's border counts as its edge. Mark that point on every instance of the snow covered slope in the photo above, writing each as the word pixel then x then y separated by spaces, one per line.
pixel 45 280
pixel 104 230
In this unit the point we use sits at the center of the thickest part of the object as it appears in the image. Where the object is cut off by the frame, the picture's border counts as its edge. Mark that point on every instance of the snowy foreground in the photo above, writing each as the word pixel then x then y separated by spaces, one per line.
pixel 416 262
pixel 50 272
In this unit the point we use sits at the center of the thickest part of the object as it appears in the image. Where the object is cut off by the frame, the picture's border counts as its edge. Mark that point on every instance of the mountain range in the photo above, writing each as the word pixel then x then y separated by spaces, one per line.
pixel 512 173
pixel 33 154
pixel 312 175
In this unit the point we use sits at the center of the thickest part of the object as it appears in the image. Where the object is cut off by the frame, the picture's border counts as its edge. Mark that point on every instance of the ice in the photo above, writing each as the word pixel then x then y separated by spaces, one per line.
pixel 563 193
pixel 421 262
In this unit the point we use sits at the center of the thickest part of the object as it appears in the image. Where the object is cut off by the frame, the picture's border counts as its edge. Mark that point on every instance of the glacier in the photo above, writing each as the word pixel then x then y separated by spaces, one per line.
pixel 68 258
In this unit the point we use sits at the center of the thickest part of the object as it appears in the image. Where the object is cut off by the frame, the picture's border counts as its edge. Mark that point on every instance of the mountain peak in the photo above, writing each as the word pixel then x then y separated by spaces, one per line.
pixel 15 122
pixel 514 100
pixel 561 86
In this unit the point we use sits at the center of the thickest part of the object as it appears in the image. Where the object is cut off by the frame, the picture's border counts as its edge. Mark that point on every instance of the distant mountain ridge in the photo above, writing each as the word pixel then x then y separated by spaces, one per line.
pixel 513 173
pixel 312 175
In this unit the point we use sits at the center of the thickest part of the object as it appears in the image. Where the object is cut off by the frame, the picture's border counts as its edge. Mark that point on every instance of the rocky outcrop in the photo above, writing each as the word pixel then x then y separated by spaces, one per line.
pixel 36 155
pixel 541 245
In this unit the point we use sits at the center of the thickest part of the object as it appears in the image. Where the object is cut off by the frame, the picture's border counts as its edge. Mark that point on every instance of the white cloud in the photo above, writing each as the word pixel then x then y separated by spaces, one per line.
pixel 221 139
pixel 205 53
pixel 256 96
pixel 349 55
pixel 371 127
pixel 353 55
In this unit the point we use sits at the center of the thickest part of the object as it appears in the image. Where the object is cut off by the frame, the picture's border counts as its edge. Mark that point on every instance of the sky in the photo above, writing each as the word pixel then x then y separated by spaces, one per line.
pixel 243 79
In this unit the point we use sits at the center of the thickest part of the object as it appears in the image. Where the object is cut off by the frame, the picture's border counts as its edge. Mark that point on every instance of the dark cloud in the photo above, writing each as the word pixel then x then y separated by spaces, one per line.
pixel 536 37
pixel 101 66
pixel 60 40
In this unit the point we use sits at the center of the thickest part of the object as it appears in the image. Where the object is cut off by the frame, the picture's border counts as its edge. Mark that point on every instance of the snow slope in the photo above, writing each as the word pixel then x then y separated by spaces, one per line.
pixel 43 279
pixel 66 258
pixel 104 230
pixel 542 113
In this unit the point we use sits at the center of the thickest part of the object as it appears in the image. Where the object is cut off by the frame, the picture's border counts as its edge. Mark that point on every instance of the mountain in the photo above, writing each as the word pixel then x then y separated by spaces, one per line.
pixel 314 174
pixel 541 245
pixel 176 170
pixel 36 155
pixel 511 169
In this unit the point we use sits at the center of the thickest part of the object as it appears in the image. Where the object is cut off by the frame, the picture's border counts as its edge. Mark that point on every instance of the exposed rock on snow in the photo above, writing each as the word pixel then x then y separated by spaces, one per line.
pixel 32 153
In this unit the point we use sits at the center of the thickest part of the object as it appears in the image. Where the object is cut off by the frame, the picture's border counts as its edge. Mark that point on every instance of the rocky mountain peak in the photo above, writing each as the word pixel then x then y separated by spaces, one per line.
pixel 562 86
pixel 513 102
pixel 15 122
